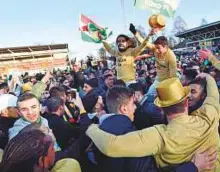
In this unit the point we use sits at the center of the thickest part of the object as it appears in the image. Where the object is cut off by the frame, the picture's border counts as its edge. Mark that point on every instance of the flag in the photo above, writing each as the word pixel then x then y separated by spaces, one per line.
pixel 164 7
pixel 91 32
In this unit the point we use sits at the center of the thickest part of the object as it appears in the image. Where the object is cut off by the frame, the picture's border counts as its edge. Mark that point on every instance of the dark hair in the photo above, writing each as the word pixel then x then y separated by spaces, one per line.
pixel 190 74
pixel 26 96
pixel 120 82
pixel 161 40
pixel 62 79
pixel 57 91
pixel 104 70
pixel 53 103
pixel 24 150
pixel 39 76
pixel 142 72
pixel 191 64
pixel 4 85
pixel 202 82
pixel 66 88
pixel 118 96
pixel 107 76
pixel 26 80
pixel 92 82
pixel 123 36
pixel 177 108
pixel 89 101
pixel 136 87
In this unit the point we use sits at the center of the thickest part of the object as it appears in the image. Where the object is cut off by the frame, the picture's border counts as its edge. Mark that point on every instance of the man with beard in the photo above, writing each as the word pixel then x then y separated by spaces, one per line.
pixel 125 56
pixel 146 113
pixel 197 94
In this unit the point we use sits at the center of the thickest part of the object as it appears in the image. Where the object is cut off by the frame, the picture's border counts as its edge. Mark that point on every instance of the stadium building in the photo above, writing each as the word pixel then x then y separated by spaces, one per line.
pixel 207 36
pixel 33 58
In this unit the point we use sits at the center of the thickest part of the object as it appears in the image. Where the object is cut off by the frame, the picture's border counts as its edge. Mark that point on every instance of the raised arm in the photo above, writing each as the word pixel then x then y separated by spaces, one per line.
pixel 109 49
pixel 136 34
pixel 210 107
pixel 204 54
pixel 140 39
pixel 146 142
pixel 41 86
pixel 211 88
pixel 144 56
pixel 215 62
pixel 145 44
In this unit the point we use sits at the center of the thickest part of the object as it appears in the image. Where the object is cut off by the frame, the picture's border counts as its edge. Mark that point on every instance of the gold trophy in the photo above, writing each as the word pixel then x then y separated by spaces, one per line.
pixel 157 22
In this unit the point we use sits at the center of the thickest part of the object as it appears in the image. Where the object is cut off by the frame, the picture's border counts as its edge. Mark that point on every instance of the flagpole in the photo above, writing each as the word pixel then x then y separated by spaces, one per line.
pixel 134 14
pixel 123 15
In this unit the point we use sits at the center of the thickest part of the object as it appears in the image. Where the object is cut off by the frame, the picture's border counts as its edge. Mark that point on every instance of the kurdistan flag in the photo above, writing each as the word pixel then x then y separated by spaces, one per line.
pixel 91 32
pixel 164 7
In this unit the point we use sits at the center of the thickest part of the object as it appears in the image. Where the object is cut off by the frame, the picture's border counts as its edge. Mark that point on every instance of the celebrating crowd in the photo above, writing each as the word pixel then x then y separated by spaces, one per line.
pixel 146 113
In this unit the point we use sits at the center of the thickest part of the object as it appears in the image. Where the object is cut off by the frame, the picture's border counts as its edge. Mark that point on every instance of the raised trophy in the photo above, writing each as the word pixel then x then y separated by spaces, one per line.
pixel 157 22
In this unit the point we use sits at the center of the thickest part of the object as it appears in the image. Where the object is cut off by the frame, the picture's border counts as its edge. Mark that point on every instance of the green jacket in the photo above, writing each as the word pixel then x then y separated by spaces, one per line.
pixel 38 89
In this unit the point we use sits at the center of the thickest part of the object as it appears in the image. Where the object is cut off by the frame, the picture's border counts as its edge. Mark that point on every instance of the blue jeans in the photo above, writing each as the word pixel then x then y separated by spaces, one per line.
pixel 152 90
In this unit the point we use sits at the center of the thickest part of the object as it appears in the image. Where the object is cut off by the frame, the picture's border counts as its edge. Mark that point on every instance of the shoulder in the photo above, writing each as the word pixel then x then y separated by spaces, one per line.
pixel 171 53
pixel 117 124
pixel 161 128
pixel 20 121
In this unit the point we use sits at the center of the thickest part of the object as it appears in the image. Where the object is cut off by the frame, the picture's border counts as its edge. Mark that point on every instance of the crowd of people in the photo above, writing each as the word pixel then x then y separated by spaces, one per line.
pixel 147 113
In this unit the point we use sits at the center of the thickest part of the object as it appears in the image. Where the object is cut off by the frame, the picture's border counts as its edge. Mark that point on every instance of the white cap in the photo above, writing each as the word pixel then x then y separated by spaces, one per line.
pixel 7 100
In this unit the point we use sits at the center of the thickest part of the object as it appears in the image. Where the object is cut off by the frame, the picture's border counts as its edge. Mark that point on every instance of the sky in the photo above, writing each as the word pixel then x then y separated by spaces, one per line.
pixel 34 22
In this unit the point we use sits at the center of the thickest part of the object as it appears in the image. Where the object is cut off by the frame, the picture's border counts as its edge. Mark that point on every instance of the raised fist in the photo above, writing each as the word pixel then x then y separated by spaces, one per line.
pixel 132 29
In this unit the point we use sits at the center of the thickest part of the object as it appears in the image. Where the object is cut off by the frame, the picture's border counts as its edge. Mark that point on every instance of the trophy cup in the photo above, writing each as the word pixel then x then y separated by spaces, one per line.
pixel 157 22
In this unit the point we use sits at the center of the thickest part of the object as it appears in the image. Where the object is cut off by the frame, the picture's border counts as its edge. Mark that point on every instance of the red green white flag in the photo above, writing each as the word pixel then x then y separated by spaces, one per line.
pixel 91 32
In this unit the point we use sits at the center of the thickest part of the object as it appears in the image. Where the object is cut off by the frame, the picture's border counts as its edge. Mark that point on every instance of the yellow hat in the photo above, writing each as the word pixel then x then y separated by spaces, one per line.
pixel 157 21
pixel 171 92
pixel 26 87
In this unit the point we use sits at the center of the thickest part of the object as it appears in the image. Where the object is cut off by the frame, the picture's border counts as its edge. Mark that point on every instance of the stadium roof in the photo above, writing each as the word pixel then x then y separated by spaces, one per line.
pixel 10 50
pixel 199 30
pixel 27 52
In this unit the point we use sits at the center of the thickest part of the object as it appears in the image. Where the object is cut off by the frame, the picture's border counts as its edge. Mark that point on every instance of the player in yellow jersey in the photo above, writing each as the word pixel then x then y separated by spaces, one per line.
pixel 125 56
pixel 165 59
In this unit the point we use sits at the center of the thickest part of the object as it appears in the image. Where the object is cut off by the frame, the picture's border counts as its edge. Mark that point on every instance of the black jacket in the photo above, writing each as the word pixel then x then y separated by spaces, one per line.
pixel 147 114
pixel 5 125
pixel 62 130
pixel 119 125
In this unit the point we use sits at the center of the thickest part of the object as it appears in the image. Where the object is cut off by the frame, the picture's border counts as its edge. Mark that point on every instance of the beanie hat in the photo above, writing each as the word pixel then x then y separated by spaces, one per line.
pixel 89 102
pixel 92 82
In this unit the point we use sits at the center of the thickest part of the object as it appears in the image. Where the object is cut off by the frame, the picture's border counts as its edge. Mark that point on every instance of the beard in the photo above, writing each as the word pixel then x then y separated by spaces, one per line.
pixel 196 106
pixel 122 49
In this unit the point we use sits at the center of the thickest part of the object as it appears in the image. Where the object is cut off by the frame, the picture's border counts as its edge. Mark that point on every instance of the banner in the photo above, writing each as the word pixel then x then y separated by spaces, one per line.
pixel 164 7
pixel 91 32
